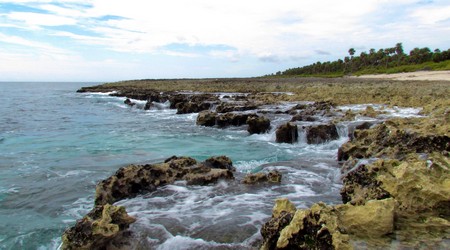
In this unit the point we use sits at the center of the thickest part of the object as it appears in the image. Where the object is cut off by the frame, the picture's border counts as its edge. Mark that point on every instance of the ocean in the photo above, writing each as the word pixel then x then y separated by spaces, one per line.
pixel 56 144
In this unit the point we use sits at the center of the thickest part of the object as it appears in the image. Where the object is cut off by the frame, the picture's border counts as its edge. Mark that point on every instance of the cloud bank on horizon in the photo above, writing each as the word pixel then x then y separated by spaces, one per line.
pixel 101 40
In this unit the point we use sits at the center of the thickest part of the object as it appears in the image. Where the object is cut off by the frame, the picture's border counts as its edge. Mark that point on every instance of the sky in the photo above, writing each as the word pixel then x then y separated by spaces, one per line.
pixel 112 40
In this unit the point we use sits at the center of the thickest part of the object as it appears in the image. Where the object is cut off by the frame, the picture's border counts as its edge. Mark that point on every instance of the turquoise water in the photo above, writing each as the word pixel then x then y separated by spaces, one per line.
pixel 56 144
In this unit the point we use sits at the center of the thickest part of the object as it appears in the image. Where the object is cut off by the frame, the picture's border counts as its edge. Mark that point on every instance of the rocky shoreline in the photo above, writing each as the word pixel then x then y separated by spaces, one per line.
pixel 395 172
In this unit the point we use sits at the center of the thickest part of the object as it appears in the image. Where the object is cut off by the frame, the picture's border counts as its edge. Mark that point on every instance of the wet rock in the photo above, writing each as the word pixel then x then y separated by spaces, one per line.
pixel 314 228
pixel 132 180
pixel 220 162
pixel 303 118
pixel 360 126
pixel 211 176
pixel 321 134
pixel 396 138
pixel 225 107
pixel 129 102
pixel 299 106
pixel 326 227
pixel 206 118
pixel 148 105
pixel 323 105
pixel 258 124
pixel 370 112
pixel 192 107
pixel 361 185
pixel 287 133
pixel 417 184
pixel 271 177
pixel 175 99
pixel 98 229
pixel 232 119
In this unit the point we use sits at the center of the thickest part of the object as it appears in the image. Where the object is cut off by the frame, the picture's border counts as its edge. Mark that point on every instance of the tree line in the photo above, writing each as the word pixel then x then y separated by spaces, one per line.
pixel 374 59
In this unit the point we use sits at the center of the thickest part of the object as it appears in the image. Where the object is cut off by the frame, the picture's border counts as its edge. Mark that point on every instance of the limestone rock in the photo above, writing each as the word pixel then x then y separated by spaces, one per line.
pixel 321 133
pixel 98 229
pixel 372 220
pixel 129 102
pixel 283 205
pixel 271 177
pixel 396 138
pixel 314 228
pixel 192 107
pixel 232 119
pixel 136 179
pixel 225 107
pixel 418 185
pixel 206 118
pixel 220 162
pixel 302 117
pixel 287 133
pixel 258 124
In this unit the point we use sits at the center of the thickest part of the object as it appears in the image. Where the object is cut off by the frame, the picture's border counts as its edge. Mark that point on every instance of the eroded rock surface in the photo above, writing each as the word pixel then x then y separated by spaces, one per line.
pixel 396 138
pixel 271 177
pixel 287 133
pixel 98 229
pixel 132 180
pixel 321 133
pixel 258 124
pixel 103 227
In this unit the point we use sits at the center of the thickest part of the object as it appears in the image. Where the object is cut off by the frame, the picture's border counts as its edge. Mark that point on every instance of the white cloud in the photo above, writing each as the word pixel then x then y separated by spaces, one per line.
pixel 43 48
pixel 432 15
pixel 276 32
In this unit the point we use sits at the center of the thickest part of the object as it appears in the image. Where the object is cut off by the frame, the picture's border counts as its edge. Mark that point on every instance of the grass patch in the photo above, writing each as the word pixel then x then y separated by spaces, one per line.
pixel 445 65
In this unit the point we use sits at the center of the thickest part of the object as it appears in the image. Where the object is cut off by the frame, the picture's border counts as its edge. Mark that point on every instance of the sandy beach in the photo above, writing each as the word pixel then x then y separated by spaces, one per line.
pixel 419 76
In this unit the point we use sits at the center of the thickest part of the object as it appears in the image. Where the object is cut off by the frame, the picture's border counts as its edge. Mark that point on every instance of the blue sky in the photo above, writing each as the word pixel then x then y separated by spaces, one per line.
pixel 104 40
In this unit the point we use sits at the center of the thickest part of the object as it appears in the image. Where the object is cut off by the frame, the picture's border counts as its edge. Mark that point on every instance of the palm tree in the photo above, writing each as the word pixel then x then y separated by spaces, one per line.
pixel 351 51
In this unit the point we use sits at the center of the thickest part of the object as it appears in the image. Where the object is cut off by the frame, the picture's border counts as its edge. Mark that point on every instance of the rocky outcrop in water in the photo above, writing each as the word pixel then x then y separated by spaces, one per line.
pixel 305 112
pixel 398 169
pixel 258 124
pixel 232 119
pixel 287 133
pixel 98 229
pixel 396 138
pixel 226 107
pixel 208 118
pixel 321 133
pixel 326 227
pixel 106 224
pixel 273 176
pixel 132 180
pixel 129 102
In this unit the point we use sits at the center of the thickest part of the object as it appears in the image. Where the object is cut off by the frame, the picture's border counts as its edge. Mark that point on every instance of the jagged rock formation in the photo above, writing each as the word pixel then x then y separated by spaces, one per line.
pixel 209 119
pixel 225 107
pixel 136 179
pixel 258 124
pixel 398 169
pixel 287 133
pixel 272 177
pixel 98 229
pixel 326 227
pixel 321 133
pixel 105 224
pixel 396 138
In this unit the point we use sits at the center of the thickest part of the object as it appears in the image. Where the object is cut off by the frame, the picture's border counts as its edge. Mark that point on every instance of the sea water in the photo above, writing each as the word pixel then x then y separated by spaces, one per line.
pixel 56 144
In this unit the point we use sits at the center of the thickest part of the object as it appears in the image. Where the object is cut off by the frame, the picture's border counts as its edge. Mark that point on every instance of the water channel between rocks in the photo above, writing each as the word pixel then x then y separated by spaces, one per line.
pixel 229 215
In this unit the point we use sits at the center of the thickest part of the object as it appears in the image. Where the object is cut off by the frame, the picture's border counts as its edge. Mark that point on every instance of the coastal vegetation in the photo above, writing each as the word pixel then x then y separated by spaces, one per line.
pixel 388 60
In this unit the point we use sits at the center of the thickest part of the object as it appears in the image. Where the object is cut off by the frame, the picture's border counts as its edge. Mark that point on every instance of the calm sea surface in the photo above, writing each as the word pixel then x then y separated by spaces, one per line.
pixel 56 144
